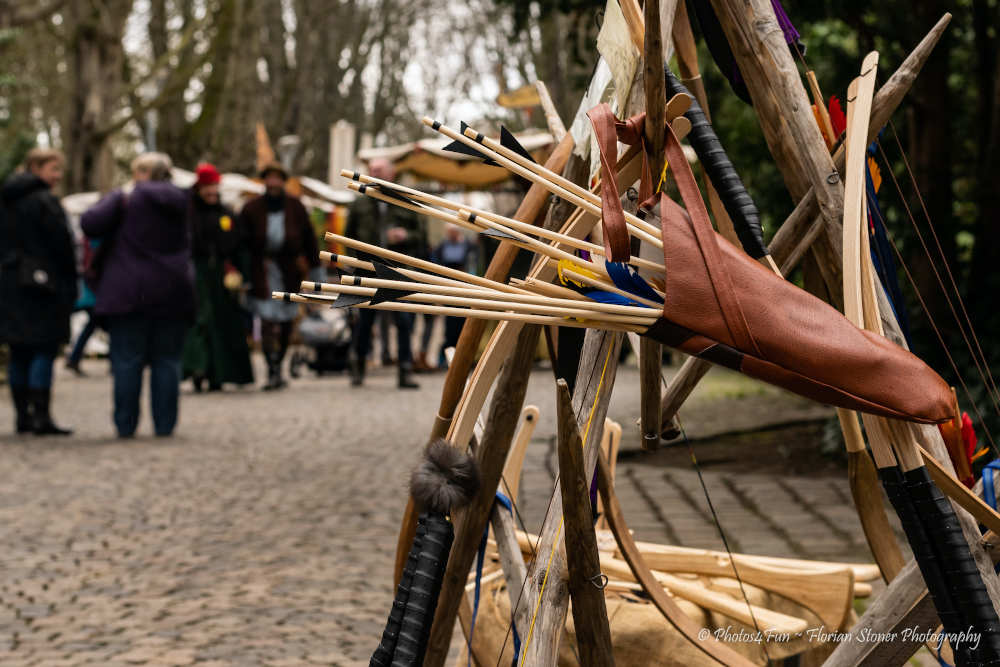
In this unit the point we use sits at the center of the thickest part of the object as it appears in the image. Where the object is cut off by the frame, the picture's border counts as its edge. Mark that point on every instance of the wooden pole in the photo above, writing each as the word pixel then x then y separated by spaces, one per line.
pixel 547 573
pixel 650 351
pixel 498 349
pixel 552 119
pixel 799 231
pixel 586 582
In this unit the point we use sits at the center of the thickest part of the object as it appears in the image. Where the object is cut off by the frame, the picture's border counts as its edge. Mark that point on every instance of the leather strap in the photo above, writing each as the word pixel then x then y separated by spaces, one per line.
pixel 608 131
pixel 697 219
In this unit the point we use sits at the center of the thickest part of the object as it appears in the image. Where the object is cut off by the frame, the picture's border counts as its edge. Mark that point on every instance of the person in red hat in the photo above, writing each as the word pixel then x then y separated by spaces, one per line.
pixel 215 351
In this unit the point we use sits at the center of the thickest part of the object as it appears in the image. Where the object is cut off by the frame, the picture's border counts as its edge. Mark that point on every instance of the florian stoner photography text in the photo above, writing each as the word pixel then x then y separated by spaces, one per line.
pixel 822 634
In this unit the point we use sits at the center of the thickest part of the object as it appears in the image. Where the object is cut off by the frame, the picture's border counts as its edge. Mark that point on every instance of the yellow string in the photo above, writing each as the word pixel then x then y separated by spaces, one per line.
pixel 548 567
pixel 663 177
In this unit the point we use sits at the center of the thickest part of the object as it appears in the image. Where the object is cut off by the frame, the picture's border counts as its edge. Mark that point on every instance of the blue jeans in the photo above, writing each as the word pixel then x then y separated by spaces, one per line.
pixel 81 341
pixel 31 365
pixel 137 342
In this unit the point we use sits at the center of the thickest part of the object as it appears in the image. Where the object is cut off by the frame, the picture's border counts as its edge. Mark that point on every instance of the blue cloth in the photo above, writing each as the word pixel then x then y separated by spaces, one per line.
pixel 989 495
pixel 271 309
pixel 137 342
pixel 626 278
pixel 87 298
pixel 883 257
pixel 459 254
pixel 30 365
pixel 506 503
pixel 601 296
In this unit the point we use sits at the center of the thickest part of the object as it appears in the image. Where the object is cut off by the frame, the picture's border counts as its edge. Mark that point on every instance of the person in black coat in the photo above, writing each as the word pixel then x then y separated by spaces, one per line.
pixel 38 286
pixel 216 346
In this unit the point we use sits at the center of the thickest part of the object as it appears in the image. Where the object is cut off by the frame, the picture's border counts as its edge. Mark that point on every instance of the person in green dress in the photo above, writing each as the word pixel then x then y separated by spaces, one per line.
pixel 215 351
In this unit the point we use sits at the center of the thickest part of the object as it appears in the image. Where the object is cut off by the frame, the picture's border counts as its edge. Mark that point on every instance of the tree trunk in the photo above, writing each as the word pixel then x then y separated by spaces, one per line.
pixel 96 57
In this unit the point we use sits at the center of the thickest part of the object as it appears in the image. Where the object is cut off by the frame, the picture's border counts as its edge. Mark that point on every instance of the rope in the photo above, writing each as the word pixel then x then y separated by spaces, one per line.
pixel 722 534
pixel 934 326
pixel 951 277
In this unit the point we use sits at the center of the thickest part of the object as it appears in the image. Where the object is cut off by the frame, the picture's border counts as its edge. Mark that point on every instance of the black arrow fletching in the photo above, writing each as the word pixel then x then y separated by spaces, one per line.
pixel 348 300
pixel 510 142
pixel 385 272
pixel 383 295
pixel 500 235
pixel 458 147
pixel 393 193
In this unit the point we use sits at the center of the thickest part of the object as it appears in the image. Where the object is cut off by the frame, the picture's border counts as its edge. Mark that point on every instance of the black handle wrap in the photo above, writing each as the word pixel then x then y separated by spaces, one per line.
pixel 387 647
pixel 721 172
pixel 957 563
pixel 422 602
pixel 895 488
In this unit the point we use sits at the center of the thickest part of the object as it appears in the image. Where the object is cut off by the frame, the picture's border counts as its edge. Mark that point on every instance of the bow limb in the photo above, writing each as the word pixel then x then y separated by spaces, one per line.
pixel 713 649
pixel 863 478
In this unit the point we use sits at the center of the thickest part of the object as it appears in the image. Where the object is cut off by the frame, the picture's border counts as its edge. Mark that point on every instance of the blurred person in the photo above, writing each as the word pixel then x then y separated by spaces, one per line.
pixel 215 350
pixel 394 228
pixel 37 286
pixel 145 290
pixel 420 363
pixel 85 302
pixel 456 251
pixel 283 253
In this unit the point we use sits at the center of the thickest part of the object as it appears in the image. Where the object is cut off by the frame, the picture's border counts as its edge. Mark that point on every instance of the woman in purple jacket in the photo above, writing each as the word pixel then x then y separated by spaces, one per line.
pixel 145 293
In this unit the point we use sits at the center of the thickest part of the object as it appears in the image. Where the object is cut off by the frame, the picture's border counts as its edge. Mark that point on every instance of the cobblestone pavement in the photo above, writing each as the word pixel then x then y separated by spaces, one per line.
pixel 263 532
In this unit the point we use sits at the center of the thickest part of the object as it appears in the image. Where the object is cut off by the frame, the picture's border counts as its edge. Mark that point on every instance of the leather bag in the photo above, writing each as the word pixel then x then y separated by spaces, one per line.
pixel 723 306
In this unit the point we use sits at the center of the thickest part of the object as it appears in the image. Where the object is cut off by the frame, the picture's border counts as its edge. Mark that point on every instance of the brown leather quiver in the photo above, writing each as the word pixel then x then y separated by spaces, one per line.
pixel 724 307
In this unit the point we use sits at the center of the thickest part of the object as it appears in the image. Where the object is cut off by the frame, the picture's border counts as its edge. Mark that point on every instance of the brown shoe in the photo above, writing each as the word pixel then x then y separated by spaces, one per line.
pixel 420 364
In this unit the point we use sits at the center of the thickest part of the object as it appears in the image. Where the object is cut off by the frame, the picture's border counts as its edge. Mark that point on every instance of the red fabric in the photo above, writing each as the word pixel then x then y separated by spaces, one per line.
pixel 207 174
pixel 837 118
pixel 969 435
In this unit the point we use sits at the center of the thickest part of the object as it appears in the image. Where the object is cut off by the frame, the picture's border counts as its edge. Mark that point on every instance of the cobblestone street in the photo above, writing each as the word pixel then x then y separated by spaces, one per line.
pixel 263 533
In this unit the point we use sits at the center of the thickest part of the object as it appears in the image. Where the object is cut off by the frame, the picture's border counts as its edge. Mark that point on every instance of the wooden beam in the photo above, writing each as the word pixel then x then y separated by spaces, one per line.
pixel 586 587
pixel 781 103
pixel 514 570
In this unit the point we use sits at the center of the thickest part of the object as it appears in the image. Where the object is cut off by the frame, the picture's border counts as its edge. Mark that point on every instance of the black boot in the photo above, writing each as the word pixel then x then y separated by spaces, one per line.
pixel 22 406
pixel 405 378
pixel 42 423
pixel 274 380
pixel 357 371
